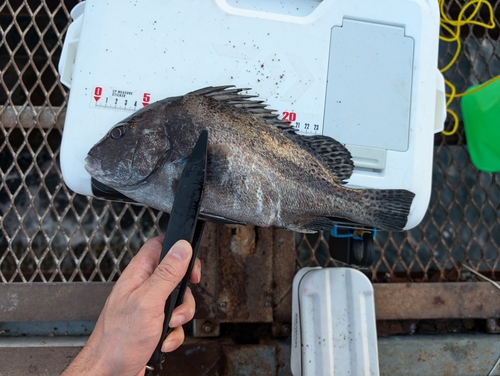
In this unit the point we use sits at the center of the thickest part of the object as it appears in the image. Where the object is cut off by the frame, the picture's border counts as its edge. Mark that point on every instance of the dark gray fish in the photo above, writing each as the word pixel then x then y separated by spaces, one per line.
pixel 259 170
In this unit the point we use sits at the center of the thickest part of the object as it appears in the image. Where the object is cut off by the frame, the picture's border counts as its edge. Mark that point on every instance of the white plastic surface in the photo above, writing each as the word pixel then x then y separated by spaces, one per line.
pixel 77 10
pixel 440 103
pixel 120 55
pixel 333 328
pixel 368 157
pixel 378 83
pixel 70 46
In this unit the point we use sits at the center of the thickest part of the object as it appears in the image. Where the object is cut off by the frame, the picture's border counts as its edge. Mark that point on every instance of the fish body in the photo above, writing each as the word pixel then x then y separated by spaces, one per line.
pixel 259 171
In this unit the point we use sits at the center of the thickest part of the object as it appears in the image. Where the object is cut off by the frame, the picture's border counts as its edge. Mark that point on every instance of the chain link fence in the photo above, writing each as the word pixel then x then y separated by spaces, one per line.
pixel 48 233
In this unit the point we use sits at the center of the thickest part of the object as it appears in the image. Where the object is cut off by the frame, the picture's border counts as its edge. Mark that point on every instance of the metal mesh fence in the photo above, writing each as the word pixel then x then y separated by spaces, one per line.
pixel 48 233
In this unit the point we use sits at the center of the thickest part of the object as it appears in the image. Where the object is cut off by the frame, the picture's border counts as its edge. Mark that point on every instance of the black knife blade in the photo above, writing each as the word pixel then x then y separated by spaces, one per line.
pixel 183 224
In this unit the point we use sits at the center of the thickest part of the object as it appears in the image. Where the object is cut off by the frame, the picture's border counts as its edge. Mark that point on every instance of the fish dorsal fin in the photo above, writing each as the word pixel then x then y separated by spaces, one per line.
pixel 334 156
pixel 231 95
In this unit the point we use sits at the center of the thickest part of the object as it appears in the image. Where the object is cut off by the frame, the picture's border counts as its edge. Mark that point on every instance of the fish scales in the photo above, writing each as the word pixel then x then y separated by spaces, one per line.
pixel 259 171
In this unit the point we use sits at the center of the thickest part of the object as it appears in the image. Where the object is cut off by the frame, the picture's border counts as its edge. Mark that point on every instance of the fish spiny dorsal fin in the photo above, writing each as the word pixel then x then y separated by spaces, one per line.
pixel 222 93
pixel 334 156
pixel 233 96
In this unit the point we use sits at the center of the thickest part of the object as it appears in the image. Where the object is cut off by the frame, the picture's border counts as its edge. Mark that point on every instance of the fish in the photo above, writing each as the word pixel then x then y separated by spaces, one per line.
pixel 259 170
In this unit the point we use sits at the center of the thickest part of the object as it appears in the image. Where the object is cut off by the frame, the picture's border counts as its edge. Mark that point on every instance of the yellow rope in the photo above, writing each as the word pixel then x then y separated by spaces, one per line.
pixel 452 27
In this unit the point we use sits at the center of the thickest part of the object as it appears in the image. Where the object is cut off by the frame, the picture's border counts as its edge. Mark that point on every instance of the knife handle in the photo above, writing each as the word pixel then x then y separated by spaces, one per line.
pixel 175 299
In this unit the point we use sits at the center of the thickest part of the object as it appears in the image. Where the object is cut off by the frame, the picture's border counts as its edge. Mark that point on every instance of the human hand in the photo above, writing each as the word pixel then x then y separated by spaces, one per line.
pixel 130 324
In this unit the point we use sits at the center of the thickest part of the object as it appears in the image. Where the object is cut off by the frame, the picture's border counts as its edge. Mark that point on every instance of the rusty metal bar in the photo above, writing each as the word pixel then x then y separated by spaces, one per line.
pixel 447 355
pixel 45 356
pixel 459 354
pixel 209 357
pixel 245 282
pixel 52 301
pixel 436 300
pixel 395 301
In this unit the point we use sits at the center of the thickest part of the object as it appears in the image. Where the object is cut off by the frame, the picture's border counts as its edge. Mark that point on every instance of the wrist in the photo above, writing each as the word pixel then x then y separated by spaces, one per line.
pixel 89 362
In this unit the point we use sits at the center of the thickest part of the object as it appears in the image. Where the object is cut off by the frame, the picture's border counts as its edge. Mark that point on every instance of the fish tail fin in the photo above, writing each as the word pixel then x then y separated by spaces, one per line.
pixel 383 209
pixel 387 209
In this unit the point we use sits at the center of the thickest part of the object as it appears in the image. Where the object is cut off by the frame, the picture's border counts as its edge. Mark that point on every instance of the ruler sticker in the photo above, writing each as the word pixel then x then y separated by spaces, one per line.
pixel 303 125
pixel 119 99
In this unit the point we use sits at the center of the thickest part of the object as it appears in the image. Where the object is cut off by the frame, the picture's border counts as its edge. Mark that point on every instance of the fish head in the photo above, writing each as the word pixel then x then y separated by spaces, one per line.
pixel 130 152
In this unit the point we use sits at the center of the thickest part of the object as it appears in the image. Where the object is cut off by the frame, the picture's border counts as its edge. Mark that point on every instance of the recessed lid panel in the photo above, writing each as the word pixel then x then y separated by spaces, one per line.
pixel 368 94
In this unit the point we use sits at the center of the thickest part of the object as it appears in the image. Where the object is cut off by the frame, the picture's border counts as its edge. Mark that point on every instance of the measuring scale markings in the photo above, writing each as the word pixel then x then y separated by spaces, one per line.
pixel 118 99
pixel 302 124
pixel 128 100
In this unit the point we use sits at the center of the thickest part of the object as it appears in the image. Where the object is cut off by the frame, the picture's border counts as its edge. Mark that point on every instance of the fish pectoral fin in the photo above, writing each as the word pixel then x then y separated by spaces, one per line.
pixel 218 163
pixel 311 225
pixel 300 229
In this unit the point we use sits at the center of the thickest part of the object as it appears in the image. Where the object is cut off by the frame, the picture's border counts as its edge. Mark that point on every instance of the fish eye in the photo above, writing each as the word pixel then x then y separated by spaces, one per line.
pixel 117 133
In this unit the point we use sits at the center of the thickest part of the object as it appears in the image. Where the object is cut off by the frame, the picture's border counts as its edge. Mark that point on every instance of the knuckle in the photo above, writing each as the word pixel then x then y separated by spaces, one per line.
pixel 142 306
pixel 168 272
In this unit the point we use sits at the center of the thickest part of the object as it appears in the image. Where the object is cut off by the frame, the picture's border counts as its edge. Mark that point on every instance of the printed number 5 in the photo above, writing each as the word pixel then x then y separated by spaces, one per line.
pixel 146 97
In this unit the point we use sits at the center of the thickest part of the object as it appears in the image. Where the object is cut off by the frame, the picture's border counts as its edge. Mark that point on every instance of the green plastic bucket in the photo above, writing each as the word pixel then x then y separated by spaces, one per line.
pixel 481 115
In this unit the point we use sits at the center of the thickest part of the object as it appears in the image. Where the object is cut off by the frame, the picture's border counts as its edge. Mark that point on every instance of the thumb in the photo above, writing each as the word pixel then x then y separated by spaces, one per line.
pixel 170 271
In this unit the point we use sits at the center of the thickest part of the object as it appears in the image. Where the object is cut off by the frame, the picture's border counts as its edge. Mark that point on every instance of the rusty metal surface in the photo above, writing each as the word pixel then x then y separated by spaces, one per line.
pixel 195 357
pixel 247 274
pixel 242 360
pixel 245 280
pixel 206 291
pixel 436 300
pixel 493 325
pixel 284 268
pixel 451 355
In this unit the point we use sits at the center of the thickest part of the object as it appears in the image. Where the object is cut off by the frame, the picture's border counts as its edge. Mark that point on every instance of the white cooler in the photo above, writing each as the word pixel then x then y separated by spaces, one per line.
pixel 361 71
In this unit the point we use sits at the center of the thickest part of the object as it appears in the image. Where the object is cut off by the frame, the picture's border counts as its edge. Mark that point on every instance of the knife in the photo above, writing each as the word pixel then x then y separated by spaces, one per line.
pixel 183 224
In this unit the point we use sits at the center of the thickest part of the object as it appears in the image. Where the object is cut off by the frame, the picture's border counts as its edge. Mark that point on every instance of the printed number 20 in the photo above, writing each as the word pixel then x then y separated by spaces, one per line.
pixel 289 116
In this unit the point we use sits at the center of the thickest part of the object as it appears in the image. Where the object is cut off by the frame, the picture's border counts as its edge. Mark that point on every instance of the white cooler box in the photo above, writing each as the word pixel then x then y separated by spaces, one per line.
pixel 361 71
pixel 333 329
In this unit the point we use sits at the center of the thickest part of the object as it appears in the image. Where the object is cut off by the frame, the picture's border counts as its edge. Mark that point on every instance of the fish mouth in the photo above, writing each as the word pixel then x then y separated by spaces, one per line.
pixel 94 168
pixel 92 165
